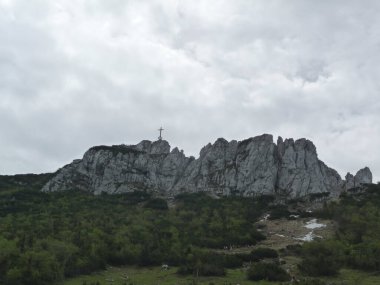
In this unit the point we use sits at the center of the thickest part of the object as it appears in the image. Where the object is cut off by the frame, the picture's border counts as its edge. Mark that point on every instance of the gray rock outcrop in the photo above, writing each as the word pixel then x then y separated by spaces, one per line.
pixel 301 172
pixel 350 181
pixel 250 167
pixel 363 176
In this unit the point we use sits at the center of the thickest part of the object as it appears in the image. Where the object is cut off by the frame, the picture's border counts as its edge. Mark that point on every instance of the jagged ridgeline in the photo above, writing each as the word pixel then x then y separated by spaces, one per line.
pixel 250 167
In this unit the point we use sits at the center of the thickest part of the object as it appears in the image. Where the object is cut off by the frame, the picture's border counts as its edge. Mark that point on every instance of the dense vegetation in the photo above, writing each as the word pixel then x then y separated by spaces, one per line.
pixel 45 237
pixel 12 183
pixel 267 271
pixel 357 241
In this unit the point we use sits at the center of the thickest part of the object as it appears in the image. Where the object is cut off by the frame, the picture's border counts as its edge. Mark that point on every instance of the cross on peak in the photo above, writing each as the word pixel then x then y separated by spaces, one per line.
pixel 160 137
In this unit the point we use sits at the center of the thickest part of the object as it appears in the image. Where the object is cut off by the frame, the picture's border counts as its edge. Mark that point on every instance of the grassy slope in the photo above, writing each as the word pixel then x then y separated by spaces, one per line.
pixel 154 275
pixel 354 277
pixel 147 276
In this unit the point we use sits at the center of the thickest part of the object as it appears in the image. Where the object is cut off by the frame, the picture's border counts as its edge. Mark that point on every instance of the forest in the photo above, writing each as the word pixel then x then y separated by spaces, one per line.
pixel 48 237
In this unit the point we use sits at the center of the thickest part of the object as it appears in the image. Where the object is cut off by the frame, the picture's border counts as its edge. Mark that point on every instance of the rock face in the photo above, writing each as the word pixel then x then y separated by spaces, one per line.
pixel 301 172
pixel 251 167
pixel 117 169
pixel 363 176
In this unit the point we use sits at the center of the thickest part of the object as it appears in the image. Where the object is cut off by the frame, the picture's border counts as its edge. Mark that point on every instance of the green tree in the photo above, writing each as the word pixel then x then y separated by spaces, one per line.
pixel 267 271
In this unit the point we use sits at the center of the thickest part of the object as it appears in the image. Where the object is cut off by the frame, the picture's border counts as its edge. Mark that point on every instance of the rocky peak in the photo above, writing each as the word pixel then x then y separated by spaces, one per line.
pixel 156 147
pixel 144 145
pixel 250 167
pixel 301 172
pixel 280 146
pixel 350 181
pixel 176 151
pixel 220 142
pixel 265 138
pixel 205 149
pixel 160 147
pixel 363 176
pixel 306 145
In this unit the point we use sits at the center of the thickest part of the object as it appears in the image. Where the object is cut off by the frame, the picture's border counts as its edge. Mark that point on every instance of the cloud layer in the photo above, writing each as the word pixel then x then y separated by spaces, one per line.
pixel 74 74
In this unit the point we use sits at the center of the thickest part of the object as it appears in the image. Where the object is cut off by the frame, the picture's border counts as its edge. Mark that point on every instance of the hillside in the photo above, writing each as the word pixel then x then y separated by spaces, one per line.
pixel 46 238
pixel 24 181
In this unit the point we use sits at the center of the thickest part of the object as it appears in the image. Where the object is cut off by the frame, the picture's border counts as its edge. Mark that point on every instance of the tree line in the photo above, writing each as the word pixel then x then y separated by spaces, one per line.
pixel 46 237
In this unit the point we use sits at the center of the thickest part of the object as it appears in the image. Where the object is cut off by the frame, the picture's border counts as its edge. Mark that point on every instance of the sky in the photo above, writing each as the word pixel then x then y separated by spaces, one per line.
pixel 74 74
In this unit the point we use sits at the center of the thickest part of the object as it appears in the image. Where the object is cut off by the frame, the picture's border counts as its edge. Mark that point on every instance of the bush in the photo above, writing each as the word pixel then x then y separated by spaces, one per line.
pixel 184 270
pixel 263 252
pixel 256 236
pixel 292 249
pixel 321 258
pixel 157 204
pixel 365 256
pixel 267 271
pixel 278 212
pixel 211 270
pixel 232 261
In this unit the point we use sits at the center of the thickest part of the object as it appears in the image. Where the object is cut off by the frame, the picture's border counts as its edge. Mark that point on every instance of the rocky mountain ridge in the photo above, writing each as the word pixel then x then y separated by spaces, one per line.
pixel 250 167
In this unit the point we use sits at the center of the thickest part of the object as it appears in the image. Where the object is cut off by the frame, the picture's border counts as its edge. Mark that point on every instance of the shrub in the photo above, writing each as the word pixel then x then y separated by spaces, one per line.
pixel 365 256
pixel 321 258
pixel 263 252
pixel 232 261
pixel 278 212
pixel 256 236
pixel 211 270
pixel 292 249
pixel 184 270
pixel 157 204
pixel 267 271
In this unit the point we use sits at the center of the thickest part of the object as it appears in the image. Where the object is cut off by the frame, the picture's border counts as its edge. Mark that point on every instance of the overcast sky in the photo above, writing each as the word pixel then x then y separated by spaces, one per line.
pixel 74 74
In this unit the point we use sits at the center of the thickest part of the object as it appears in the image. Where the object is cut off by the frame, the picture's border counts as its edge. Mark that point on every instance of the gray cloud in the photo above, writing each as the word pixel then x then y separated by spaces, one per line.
pixel 74 74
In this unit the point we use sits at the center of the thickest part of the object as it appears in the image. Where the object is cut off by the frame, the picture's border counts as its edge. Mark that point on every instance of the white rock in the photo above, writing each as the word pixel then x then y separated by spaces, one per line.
pixel 312 224
pixel 250 167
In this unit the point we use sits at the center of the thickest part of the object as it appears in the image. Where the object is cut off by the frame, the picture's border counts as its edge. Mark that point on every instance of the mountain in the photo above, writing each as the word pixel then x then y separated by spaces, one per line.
pixel 250 167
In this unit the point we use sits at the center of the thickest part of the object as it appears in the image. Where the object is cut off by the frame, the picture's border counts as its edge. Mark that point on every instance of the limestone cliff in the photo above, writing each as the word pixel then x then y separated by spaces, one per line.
pixel 251 167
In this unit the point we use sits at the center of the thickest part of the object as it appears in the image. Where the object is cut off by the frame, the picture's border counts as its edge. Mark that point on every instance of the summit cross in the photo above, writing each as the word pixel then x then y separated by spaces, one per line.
pixel 160 137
